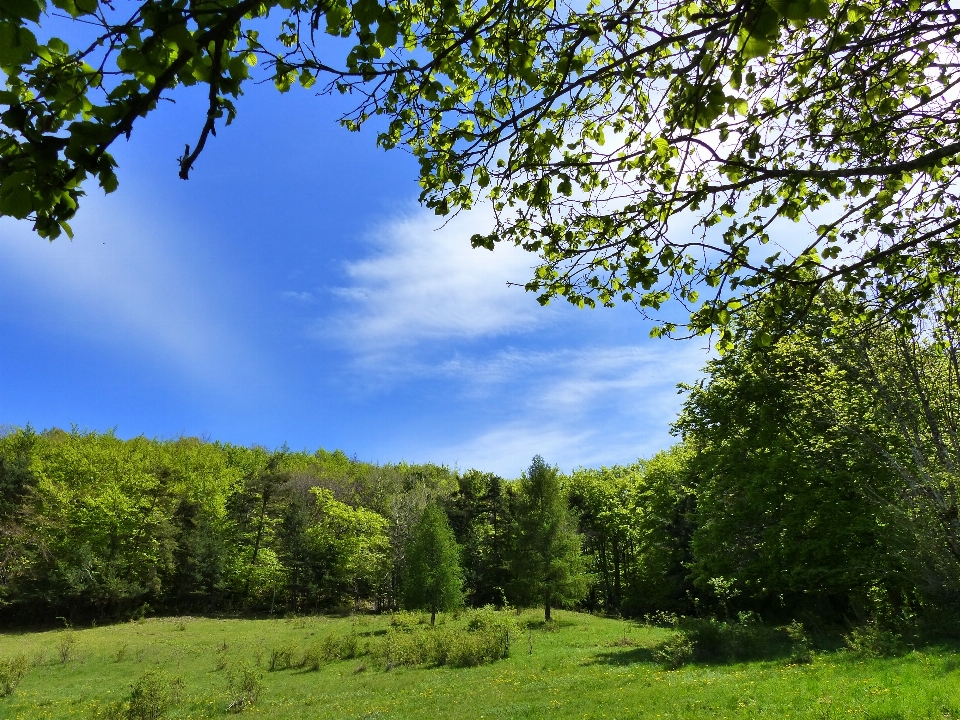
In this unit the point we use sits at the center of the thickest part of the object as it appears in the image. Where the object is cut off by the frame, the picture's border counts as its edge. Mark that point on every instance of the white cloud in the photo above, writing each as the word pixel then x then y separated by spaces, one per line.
pixel 589 406
pixel 424 282
pixel 125 281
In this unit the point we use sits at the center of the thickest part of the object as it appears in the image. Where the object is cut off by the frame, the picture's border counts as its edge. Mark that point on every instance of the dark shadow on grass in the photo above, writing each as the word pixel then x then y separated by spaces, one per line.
pixel 551 626
pixel 622 656
pixel 371 633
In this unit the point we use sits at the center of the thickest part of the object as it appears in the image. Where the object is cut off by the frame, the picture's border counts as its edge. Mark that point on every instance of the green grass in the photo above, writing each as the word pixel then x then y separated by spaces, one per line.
pixel 586 667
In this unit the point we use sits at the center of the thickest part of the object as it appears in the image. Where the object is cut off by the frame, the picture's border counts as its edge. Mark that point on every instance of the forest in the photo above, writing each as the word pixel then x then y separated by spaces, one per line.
pixel 815 477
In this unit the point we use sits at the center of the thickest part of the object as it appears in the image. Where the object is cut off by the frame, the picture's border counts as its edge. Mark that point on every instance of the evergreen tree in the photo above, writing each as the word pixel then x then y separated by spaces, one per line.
pixel 547 561
pixel 434 579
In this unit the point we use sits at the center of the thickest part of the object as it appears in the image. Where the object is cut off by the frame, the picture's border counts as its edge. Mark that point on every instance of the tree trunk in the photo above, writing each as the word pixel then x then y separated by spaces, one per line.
pixel 433 617
pixel 546 610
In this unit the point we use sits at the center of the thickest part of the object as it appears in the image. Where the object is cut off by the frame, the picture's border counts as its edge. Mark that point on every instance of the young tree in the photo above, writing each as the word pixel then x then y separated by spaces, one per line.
pixel 434 579
pixel 547 560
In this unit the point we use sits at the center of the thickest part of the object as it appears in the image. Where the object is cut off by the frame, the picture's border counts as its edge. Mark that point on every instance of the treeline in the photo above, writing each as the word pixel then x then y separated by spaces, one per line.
pixel 815 476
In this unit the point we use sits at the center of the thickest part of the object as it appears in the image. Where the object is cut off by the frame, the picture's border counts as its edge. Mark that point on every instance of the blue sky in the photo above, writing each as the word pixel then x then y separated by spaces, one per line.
pixel 293 291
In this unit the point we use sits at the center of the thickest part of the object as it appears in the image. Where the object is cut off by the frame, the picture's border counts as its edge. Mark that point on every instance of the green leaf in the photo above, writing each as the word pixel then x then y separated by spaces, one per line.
pixel 16 197
pixel 22 9
pixel 17 46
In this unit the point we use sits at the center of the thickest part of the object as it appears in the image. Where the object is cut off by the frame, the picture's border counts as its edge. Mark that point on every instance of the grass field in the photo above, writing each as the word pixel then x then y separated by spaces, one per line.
pixel 584 667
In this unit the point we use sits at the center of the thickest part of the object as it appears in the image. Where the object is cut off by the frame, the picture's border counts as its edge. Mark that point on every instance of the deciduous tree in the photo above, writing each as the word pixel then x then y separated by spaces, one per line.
pixel 600 132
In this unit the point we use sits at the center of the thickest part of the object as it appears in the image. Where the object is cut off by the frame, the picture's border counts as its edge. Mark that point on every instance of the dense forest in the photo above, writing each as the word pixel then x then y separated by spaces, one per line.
pixel 815 475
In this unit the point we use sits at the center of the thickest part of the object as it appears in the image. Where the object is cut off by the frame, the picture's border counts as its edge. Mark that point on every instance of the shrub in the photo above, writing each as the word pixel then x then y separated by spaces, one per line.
pixel 406 620
pixel 662 618
pixel 489 619
pixel 403 647
pixel 65 645
pixel 675 652
pixel 873 641
pixel 485 639
pixel 245 686
pixel 312 658
pixel 11 673
pixel 152 696
pixel 801 650
pixel 714 640
pixel 708 640
pixel 221 656
pixel 467 649
pixel 281 658
pixel 336 647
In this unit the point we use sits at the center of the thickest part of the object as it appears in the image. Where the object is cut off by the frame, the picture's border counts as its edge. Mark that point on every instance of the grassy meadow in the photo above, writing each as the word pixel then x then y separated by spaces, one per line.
pixel 582 667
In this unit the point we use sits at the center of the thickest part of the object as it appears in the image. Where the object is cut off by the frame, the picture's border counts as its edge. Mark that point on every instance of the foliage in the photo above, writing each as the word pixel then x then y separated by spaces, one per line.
pixel 480 513
pixel 637 525
pixel 485 639
pixel 110 528
pixel 65 644
pixel 352 543
pixel 800 498
pixel 433 578
pixel 592 129
pixel 11 673
pixel 874 641
pixel 245 686
pixel 800 640
pixel 547 561
pixel 675 652
pixel 152 696
pixel 281 658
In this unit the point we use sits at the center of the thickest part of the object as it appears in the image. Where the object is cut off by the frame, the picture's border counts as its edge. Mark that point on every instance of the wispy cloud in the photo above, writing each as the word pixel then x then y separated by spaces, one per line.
pixel 125 282
pixel 589 406
pixel 424 282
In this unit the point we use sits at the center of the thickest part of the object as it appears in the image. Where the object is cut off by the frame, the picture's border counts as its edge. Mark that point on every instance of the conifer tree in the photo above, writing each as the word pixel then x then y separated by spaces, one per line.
pixel 547 559
pixel 434 578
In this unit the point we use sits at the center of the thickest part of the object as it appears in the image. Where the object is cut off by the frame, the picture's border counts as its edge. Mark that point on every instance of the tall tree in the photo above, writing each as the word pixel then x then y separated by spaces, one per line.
pixel 822 483
pixel 351 544
pixel 479 513
pixel 433 579
pixel 547 560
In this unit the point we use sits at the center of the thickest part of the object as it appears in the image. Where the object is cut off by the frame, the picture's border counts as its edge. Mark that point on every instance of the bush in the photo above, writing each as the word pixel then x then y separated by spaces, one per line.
pixel 801 647
pixel 406 620
pixel 150 699
pixel 221 657
pixel 341 647
pixel 152 696
pixel 675 652
pixel 708 640
pixel 281 658
pixel 65 646
pixel 485 639
pixel 407 648
pixel 873 641
pixel 662 618
pixel 245 686
pixel 312 658
pixel 11 673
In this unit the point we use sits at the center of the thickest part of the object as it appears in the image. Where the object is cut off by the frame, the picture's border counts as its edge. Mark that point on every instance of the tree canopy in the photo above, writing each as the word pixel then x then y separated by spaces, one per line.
pixel 645 150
